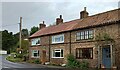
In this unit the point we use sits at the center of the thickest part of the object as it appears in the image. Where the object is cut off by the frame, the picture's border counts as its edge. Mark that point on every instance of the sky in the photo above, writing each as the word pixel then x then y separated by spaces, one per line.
pixel 34 12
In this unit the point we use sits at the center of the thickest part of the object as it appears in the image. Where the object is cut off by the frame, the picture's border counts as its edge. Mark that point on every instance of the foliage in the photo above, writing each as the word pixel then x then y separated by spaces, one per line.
pixel 37 61
pixel 84 65
pixel 19 55
pixel 30 61
pixel 103 36
pixel 73 63
pixel 25 33
pixel 25 45
pixel 12 59
pixel 8 40
pixel 33 30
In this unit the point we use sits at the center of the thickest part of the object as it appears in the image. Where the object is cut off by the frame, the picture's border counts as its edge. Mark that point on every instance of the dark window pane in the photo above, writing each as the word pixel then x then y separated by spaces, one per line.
pixel 61 53
pixel 57 54
pixel 85 53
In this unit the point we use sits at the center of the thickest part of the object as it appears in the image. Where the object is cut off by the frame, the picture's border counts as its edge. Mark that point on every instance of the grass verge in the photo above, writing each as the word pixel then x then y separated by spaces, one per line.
pixel 12 59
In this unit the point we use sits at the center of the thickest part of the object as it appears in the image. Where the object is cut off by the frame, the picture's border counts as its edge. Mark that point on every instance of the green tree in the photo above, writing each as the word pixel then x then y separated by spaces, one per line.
pixel 33 30
pixel 25 33
pixel 8 40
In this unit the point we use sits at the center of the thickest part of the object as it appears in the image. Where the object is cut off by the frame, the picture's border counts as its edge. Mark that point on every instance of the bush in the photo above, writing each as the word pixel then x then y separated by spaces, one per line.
pixel 73 63
pixel 37 61
pixel 84 65
pixel 19 55
pixel 12 59
pixel 30 61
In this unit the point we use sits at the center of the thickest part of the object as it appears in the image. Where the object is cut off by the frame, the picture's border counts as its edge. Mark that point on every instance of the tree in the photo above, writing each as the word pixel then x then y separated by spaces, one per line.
pixel 8 40
pixel 33 30
pixel 25 33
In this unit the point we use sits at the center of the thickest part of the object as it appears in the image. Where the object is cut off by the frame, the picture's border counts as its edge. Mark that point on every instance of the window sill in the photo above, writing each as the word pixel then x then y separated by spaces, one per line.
pixel 84 40
pixel 35 45
pixel 84 58
pixel 57 42
pixel 35 57
pixel 57 57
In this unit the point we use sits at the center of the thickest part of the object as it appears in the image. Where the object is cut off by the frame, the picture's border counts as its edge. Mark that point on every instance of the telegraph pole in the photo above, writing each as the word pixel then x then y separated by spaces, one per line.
pixel 20 26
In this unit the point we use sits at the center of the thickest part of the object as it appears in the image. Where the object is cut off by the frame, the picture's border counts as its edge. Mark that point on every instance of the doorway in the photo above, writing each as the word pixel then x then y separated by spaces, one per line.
pixel 106 56
pixel 43 56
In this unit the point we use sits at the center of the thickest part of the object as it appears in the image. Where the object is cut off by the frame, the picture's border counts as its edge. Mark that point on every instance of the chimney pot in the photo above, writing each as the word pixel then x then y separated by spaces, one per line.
pixel 59 20
pixel 60 16
pixel 84 13
pixel 42 25
pixel 84 8
pixel 43 22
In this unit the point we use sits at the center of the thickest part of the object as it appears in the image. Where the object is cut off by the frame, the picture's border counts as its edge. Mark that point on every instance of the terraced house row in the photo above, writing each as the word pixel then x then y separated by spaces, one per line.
pixel 95 39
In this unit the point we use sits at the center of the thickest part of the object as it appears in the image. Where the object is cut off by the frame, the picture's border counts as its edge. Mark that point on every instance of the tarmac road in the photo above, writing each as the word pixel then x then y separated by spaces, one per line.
pixel 7 65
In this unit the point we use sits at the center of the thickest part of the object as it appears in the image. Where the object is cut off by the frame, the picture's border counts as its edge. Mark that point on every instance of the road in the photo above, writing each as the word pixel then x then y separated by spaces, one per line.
pixel 7 65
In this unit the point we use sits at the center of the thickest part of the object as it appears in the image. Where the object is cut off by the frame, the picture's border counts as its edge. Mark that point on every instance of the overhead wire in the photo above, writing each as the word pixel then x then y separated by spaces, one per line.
pixel 8 25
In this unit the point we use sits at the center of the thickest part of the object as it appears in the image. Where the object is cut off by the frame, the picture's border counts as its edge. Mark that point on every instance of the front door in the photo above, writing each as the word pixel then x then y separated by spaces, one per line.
pixel 106 57
pixel 43 57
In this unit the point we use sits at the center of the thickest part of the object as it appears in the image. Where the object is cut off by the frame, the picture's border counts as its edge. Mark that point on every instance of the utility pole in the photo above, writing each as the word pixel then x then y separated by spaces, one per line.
pixel 20 26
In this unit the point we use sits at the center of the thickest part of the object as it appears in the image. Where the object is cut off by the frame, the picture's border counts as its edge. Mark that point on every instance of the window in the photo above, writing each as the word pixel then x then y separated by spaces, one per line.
pixel 35 53
pixel 57 53
pixel 83 35
pixel 58 38
pixel 84 53
pixel 35 41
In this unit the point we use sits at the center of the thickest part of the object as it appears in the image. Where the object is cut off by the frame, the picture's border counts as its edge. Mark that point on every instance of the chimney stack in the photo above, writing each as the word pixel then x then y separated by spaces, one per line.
pixel 42 25
pixel 59 20
pixel 84 13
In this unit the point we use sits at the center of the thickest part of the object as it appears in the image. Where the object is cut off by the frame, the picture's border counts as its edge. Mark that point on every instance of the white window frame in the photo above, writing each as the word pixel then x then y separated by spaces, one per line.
pixel 57 36
pixel 32 53
pixel 35 41
pixel 53 51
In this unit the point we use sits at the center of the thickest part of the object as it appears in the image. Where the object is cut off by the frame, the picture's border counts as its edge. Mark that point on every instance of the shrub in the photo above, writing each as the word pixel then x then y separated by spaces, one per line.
pixel 12 59
pixel 37 61
pixel 30 61
pixel 84 65
pixel 19 55
pixel 73 63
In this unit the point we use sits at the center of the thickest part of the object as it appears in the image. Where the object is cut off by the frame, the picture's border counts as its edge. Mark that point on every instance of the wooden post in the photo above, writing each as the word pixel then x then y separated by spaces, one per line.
pixel 111 49
pixel 20 26
pixel 98 56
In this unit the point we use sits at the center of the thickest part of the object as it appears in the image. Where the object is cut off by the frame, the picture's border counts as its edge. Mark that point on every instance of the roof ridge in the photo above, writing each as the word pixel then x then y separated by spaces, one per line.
pixel 96 19
pixel 104 12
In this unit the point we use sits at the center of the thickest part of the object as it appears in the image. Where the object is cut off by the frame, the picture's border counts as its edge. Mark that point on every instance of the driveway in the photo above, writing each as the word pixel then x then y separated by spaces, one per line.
pixel 7 65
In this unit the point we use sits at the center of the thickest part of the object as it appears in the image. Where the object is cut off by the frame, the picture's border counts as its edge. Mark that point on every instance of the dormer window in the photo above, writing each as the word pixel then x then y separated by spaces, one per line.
pixel 35 41
pixel 84 35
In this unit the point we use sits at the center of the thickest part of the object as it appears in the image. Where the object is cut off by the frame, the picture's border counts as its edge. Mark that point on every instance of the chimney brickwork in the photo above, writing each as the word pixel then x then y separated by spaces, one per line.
pixel 42 25
pixel 84 13
pixel 59 20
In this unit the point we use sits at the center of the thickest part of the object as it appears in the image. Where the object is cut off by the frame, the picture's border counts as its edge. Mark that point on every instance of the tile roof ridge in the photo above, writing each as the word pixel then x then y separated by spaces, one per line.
pixel 104 12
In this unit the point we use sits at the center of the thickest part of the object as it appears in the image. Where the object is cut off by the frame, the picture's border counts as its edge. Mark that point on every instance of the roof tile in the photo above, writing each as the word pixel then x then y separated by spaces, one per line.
pixel 97 19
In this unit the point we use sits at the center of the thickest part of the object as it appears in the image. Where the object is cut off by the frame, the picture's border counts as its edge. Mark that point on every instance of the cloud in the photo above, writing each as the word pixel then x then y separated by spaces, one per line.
pixel 60 1
pixel 35 12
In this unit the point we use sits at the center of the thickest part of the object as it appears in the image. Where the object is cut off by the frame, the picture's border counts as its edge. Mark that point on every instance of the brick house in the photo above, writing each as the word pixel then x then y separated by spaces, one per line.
pixel 79 37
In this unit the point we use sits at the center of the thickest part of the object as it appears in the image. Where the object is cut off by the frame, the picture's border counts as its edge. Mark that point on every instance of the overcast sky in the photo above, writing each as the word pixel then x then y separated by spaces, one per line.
pixel 34 12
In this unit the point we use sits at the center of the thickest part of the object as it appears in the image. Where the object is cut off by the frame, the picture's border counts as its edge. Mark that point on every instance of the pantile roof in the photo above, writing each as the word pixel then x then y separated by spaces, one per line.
pixel 94 20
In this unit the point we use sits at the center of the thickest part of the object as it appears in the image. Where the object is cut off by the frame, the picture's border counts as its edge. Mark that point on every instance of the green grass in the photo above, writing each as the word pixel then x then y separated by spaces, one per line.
pixel 12 59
